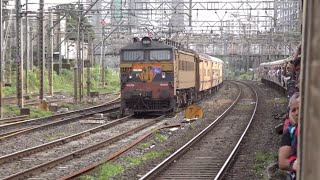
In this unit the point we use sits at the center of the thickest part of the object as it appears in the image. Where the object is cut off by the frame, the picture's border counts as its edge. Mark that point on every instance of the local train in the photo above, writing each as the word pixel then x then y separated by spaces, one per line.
pixel 160 76
pixel 271 73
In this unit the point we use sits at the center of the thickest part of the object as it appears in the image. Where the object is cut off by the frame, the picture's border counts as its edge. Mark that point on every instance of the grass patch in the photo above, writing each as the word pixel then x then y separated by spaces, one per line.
pixel 244 106
pixel 109 170
pixel 146 157
pixel 160 137
pixel 11 110
pixel 262 160
pixel 37 113
pixel 55 136
pixel 190 127
pixel 86 177
pixel 146 144
pixel 281 100
pixel 64 81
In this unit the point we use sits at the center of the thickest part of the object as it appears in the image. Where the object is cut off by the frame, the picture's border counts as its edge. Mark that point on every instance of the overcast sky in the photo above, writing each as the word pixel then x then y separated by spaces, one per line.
pixel 201 15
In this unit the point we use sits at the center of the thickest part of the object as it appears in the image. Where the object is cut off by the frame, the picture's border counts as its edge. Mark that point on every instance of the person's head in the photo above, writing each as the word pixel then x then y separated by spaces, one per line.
pixel 296 63
pixel 294 108
pixel 291 67
pixel 299 50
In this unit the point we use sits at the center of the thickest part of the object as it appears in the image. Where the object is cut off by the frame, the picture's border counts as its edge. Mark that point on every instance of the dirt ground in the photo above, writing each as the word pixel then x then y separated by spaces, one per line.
pixel 261 144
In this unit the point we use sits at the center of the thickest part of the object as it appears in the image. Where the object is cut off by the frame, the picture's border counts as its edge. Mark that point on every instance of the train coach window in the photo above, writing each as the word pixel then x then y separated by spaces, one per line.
pixel 160 55
pixel 132 55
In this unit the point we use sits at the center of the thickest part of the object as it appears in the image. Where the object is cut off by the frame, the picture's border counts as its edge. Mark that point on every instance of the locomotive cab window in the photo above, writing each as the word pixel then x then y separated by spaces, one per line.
pixel 160 55
pixel 132 55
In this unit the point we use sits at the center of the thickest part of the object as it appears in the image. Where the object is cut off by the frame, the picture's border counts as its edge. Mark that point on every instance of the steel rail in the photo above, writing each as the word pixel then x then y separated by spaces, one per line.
pixel 116 154
pixel 42 147
pixel 14 133
pixel 62 115
pixel 13 119
pixel 45 166
pixel 235 149
pixel 64 119
pixel 160 167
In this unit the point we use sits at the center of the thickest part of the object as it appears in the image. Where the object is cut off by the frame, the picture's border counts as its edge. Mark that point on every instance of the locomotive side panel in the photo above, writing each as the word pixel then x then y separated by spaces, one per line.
pixel 186 67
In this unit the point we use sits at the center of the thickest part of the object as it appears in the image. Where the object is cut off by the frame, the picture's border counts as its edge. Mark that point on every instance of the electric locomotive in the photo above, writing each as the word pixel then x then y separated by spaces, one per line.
pixel 159 77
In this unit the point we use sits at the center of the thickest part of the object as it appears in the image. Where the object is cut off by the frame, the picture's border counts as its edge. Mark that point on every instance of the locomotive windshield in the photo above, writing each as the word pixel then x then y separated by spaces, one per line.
pixel 133 55
pixel 160 55
pixel 147 55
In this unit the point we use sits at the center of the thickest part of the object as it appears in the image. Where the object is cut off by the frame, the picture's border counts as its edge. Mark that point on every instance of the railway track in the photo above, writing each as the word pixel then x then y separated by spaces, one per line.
pixel 209 153
pixel 32 102
pixel 55 159
pixel 16 128
pixel 13 119
pixel 35 101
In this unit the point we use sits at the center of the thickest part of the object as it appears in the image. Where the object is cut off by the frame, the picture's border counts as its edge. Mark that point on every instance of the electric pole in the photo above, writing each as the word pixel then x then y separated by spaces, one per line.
pixel 50 52
pixel 1 60
pixel 41 50
pixel 19 54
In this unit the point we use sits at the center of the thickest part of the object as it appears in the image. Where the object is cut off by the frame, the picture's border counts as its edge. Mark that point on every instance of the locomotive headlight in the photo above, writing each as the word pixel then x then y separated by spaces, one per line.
pixel 146 40
pixel 163 75
pixel 130 76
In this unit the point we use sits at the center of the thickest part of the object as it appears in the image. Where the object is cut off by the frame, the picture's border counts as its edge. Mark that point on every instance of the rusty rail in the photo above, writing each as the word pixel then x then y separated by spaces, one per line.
pixel 43 167
pixel 53 120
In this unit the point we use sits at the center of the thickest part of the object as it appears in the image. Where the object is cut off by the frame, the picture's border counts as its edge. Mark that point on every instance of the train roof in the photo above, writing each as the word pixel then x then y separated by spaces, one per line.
pixel 153 45
pixel 211 58
pixel 277 62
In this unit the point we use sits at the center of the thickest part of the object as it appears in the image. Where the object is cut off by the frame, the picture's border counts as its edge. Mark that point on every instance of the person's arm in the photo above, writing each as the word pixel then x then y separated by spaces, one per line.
pixel 295 165
pixel 284 152
pixel 284 162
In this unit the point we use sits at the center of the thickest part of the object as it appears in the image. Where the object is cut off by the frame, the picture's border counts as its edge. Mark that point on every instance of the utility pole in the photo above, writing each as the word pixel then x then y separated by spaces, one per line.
pixel 103 76
pixel 59 44
pixel 90 59
pixel 31 45
pixel 82 66
pixel 27 51
pixel 8 55
pixel 19 54
pixel 50 52
pixel 190 22
pixel 77 78
pixel 41 50
pixel 1 55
